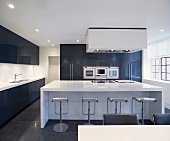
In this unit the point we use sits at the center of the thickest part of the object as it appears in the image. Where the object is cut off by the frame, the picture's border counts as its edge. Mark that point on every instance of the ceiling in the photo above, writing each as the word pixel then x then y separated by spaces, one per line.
pixel 65 21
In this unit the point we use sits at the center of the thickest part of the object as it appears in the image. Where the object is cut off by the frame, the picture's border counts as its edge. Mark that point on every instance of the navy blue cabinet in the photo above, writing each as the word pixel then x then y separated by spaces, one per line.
pixel 17 50
pixel 1 108
pixel 130 66
pixel 74 57
pixel 14 100
pixel 71 61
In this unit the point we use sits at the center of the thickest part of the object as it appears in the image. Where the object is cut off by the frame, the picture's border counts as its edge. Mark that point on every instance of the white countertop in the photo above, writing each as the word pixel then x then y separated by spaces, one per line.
pixel 8 85
pixel 89 86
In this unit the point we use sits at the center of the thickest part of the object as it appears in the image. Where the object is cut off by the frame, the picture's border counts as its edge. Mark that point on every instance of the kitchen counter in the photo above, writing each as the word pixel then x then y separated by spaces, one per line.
pixel 75 90
pixel 89 86
pixel 8 85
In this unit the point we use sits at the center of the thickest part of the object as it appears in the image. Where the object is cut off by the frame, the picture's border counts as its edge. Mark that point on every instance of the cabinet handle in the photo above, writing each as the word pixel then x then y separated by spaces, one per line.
pixel 131 72
pixel 70 71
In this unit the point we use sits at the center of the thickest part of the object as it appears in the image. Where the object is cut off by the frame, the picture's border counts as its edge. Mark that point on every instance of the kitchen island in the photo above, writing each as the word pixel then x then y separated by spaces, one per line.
pixel 75 90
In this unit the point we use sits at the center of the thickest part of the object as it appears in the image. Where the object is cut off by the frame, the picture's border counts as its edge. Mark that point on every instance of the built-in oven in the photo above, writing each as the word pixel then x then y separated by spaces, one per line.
pixel 89 72
pixel 101 72
pixel 113 73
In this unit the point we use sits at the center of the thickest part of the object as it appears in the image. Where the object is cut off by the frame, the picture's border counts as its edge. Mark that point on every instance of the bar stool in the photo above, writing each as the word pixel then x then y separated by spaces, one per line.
pixel 60 127
pixel 89 100
pixel 116 100
pixel 143 100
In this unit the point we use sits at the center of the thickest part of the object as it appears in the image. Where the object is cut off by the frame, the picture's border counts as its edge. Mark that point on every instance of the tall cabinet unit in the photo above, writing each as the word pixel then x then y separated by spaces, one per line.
pixel 17 50
pixel 130 66
pixel 73 57
pixel 71 62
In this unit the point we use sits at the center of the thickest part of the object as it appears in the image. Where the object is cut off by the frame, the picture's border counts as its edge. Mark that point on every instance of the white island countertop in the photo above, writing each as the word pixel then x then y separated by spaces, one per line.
pixel 89 86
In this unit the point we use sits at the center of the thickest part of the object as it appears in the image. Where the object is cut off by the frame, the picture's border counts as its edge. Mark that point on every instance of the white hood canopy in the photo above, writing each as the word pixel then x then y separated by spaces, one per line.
pixel 100 40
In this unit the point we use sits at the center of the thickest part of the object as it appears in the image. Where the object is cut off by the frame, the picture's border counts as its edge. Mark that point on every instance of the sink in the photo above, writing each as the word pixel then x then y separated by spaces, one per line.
pixel 19 81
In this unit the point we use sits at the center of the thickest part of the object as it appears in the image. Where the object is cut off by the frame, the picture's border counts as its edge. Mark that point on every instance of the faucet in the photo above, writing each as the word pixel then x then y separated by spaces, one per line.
pixel 15 75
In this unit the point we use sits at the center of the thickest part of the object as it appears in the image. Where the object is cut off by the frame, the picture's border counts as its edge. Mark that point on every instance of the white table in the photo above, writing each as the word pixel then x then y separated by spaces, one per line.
pixel 75 90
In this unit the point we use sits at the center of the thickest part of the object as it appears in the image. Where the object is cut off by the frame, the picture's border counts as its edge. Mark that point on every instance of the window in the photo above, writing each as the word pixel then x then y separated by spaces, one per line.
pixel 158 59
pixel 155 68
pixel 165 68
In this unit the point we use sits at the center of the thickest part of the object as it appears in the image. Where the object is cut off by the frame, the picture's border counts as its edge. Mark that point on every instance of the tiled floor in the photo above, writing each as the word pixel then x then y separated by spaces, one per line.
pixel 26 127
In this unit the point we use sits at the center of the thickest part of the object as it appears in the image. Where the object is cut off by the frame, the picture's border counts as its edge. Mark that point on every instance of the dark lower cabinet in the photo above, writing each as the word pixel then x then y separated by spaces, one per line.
pixel 14 100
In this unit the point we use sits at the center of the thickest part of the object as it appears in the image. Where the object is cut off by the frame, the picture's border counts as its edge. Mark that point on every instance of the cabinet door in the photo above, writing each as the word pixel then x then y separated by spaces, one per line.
pixel 32 91
pixel 77 68
pixel 78 50
pixel 1 108
pixel 66 50
pixel 66 68
pixel 111 59
pixel 101 59
pixel 39 84
pixel 34 53
pixel 90 59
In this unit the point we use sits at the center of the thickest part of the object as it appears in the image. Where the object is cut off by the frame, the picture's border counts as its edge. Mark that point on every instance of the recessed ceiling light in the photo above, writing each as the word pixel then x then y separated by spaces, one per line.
pixel 37 30
pixel 161 30
pixel 78 41
pixel 11 6
pixel 52 44
pixel 48 41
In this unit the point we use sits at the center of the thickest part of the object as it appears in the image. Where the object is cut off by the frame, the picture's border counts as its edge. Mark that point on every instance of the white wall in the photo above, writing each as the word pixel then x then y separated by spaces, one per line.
pixel 7 70
pixel 165 85
pixel 43 68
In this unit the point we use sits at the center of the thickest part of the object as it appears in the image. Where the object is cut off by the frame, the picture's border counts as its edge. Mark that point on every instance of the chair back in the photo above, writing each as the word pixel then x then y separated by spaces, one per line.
pixel 161 119
pixel 120 119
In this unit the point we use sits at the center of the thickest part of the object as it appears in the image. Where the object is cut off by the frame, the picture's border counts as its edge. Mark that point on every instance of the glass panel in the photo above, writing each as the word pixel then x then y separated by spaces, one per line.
pixel 168 76
pixel 163 68
pixel 157 61
pixel 112 73
pixel 163 61
pixel 157 68
pixel 152 75
pixel 157 75
pixel 168 69
pixel 153 68
pixel 168 61
pixel 153 62
pixel 163 76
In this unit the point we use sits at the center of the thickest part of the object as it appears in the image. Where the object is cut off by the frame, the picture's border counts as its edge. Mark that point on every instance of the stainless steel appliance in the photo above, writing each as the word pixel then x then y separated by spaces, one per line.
pixel 89 72
pixel 113 73
pixel 101 72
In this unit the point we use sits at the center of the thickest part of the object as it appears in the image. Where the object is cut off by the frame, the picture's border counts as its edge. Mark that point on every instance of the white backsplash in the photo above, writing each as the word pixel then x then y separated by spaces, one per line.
pixel 7 72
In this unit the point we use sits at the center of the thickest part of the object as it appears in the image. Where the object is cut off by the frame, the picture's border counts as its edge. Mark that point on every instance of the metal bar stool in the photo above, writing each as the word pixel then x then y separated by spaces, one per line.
pixel 89 100
pixel 143 100
pixel 60 127
pixel 116 100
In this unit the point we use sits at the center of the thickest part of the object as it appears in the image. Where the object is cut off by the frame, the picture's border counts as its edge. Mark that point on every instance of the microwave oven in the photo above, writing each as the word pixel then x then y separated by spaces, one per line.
pixel 100 71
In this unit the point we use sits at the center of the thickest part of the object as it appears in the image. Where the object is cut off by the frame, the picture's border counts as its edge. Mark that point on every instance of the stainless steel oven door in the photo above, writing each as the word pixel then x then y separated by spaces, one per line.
pixel 89 72
pixel 113 73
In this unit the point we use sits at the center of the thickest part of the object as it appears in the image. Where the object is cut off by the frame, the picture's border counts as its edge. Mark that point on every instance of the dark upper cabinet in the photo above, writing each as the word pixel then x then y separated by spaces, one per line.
pixel 101 59
pixel 90 59
pixel 17 50
pixel 111 59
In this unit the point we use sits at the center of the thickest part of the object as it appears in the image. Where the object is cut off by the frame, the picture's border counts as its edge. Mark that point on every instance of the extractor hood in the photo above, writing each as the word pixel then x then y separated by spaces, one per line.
pixel 118 40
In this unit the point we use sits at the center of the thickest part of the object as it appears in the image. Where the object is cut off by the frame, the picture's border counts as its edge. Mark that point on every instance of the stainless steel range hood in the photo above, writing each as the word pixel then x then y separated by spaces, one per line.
pixel 118 40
